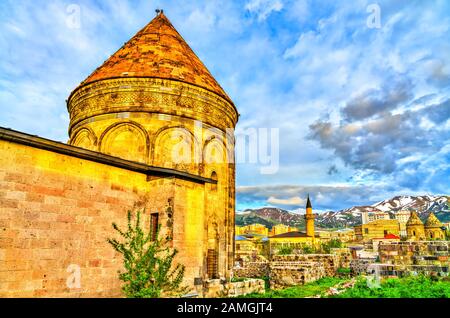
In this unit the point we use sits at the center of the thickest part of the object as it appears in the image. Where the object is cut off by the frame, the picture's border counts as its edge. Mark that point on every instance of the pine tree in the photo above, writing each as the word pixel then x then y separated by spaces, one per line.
pixel 147 260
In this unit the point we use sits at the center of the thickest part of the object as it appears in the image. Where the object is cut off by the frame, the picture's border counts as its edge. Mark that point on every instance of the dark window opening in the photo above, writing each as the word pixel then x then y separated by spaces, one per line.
pixel 154 224
pixel 214 177
pixel 212 265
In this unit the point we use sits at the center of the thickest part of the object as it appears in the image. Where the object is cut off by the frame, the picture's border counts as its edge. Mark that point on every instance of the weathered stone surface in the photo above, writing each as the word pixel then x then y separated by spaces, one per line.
pixel 298 269
pixel 415 253
pixel 56 209
pixel 216 288
pixel 252 270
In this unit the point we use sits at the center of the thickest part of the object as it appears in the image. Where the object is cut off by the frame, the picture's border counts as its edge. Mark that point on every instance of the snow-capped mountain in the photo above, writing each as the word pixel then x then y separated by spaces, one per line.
pixel 269 216
pixel 423 205
pixel 351 216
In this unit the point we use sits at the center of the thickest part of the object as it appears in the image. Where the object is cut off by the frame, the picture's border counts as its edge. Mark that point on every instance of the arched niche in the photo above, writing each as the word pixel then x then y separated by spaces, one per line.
pixel 215 152
pixel 85 138
pixel 127 141
pixel 177 148
pixel 213 249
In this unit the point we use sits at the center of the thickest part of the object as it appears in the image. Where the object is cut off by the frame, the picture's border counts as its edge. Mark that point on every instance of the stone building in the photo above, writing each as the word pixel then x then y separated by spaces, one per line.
pixel 297 239
pixel 433 229
pixel 280 229
pixel 150 129
pixel 251 245
pixel 367 217
pixel 344 235
pixel 376 229
pixel 414 228
pixel 254 228
pixel 402 217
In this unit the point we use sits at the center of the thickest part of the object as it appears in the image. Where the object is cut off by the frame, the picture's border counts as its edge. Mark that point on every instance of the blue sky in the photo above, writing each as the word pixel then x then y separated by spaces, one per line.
pixel 363 113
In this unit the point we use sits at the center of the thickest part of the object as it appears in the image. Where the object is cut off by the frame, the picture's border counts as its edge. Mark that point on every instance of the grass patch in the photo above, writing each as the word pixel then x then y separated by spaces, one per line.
pixel 301 291
pixel 407 287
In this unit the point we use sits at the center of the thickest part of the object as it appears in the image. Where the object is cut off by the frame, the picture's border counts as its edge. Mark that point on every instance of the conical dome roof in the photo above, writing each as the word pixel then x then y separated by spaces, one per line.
pixel 158 51
pixel 433 220
pixel 414 219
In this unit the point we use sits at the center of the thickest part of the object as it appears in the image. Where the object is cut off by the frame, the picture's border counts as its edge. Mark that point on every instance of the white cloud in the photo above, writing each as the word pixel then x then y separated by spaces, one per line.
pixel 263 8
pixel 302 67
pixel 290 201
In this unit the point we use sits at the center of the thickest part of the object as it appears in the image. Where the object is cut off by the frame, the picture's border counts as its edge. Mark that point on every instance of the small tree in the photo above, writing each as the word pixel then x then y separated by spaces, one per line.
pixel 308 249
pixel 286 250
pixel 148 262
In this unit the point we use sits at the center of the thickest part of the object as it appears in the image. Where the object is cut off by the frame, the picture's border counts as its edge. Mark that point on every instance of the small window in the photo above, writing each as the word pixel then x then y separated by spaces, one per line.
pixel 385 232
pixel 366 231
pixel 214 177
pixel 154 223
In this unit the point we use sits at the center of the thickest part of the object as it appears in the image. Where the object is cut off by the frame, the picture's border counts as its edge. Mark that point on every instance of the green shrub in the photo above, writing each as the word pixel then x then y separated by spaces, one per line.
pixel 286 250
pixel 147 260
pixel 308 249
pixel 327 246
pixel 311 289
pixel 406 287
pixel 343 271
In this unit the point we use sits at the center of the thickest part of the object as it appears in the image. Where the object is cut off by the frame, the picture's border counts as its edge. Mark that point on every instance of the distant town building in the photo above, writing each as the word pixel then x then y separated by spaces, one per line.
pixel 389 238
pixel 238 230
pixel 255 228
pixel 324 234
pixel 367 217
pixel 415 228
pixel 376 229
pixel 344 235
pixel 402 217
pixel 280 229
pixel 297 238
pixel 433 229
pixel 248 245
pixel 309 219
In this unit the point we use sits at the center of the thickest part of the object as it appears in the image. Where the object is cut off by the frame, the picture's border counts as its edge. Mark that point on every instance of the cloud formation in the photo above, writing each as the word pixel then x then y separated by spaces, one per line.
pixel 362 113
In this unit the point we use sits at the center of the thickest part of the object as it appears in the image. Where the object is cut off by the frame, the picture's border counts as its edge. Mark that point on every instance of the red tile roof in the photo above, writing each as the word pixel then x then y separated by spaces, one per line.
pixel 388 237
pixel 159 51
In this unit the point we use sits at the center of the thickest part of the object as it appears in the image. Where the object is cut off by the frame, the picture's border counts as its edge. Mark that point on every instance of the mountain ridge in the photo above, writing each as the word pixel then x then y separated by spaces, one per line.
pixel 423 205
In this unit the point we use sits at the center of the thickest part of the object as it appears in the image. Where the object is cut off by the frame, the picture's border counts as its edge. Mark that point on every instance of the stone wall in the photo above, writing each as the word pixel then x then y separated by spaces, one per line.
pixel 330 261
pixel 284 273
pixel 295 269
pixel 298 269
pixel 391 270
pixel 56 210
pixel 252 270
pixel 359 266
pixel 344 256
pixel 415 253
pixel 216 288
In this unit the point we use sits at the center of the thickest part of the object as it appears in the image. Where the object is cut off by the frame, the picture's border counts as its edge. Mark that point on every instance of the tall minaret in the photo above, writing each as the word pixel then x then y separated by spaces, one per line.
pixel 309 217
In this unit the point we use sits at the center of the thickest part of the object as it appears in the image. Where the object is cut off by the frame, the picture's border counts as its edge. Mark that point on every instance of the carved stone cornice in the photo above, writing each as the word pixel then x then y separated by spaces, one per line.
pixel 151 95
